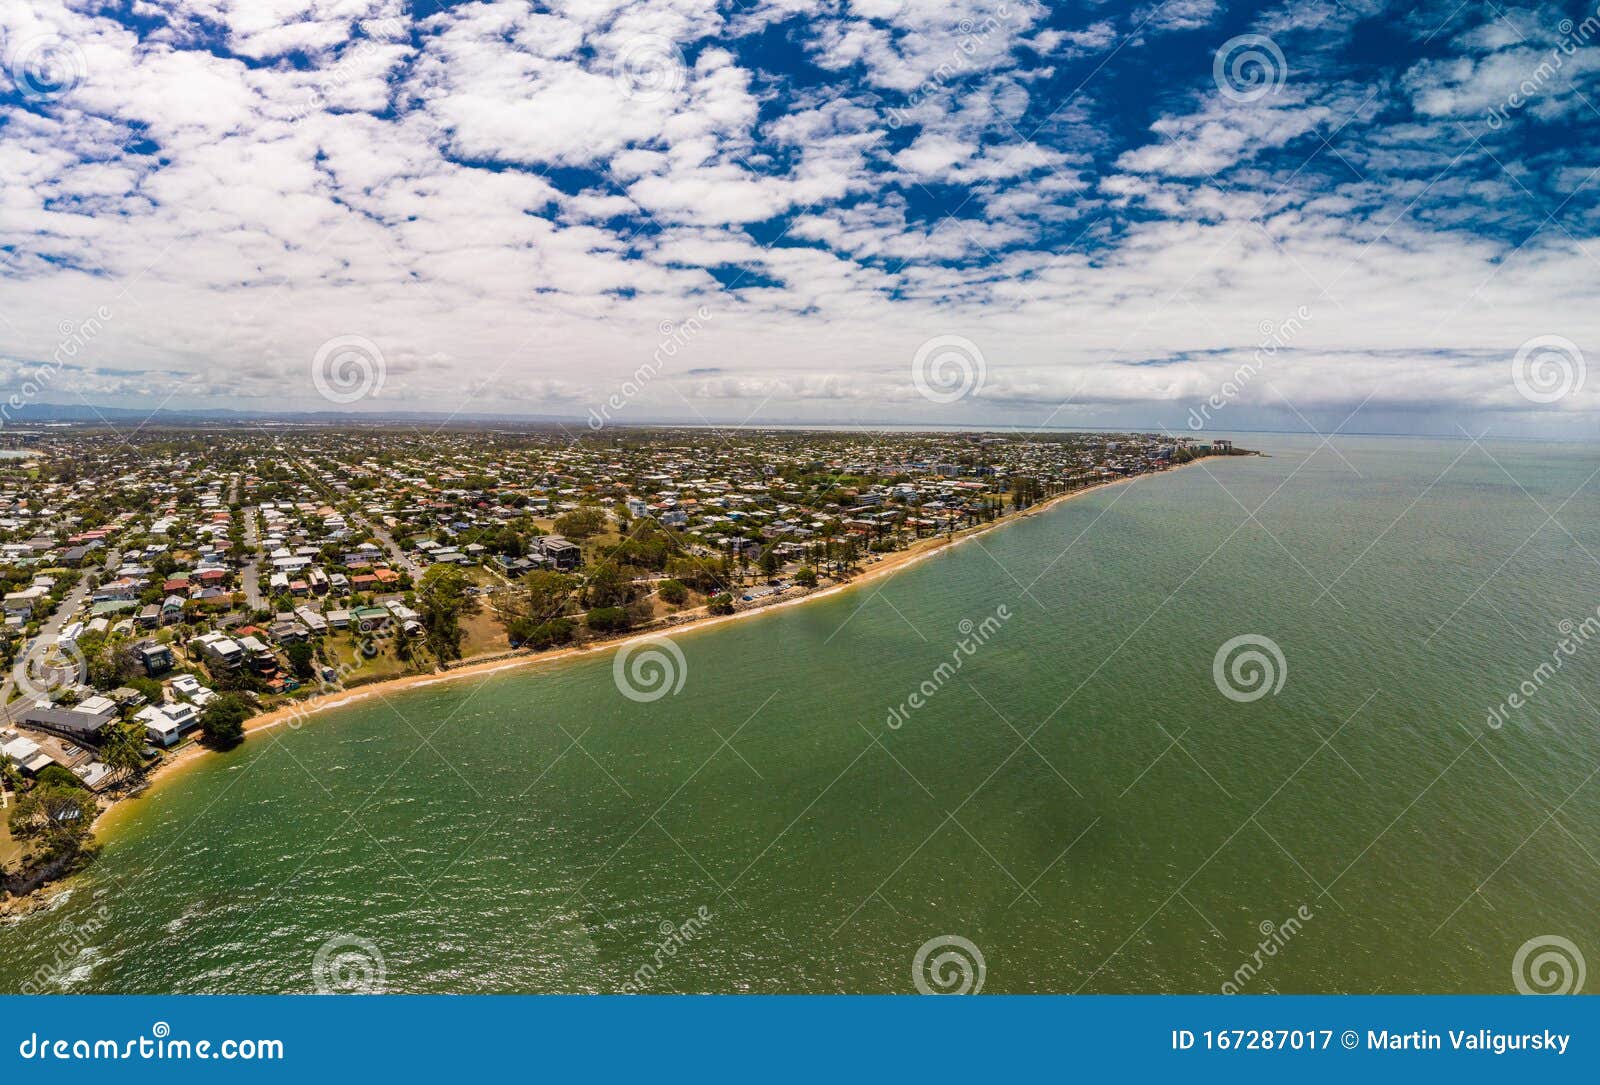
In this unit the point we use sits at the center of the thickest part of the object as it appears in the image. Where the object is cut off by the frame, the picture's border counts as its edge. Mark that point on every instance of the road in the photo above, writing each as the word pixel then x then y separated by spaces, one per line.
pixel 396 556
pixel 58 620
pixel 250 573
pixel 386 540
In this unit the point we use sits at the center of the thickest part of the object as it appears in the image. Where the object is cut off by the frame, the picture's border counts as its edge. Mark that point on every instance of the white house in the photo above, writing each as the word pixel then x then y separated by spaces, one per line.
pixel 166 724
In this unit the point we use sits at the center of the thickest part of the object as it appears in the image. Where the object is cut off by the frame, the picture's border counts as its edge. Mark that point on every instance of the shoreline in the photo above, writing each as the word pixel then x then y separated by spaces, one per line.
pixel 302 711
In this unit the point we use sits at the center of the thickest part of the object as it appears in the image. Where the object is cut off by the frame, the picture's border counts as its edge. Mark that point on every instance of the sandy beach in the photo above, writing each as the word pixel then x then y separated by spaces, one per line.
pixel 302 712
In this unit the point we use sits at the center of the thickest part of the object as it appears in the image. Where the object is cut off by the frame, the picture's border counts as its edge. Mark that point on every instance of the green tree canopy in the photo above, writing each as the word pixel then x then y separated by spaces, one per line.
pixel 442 600
pixel 222 720
pixel 580 523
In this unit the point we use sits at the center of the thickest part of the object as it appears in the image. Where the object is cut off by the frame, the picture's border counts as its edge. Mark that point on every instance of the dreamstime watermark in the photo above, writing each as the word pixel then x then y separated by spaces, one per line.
pixel 67 944
pixel 49 666
pixel 348 368
pixel 1249 67
pixel 947 368
pixel 674 337
pixel 74 339
pixel 1549 964
pixel 348 964
pixel 650 669
pixel 974 635
pixel 1275 336
pixel 948 965
pixel 1574 36
pixel 366 650
pixel 1249 667
pixel 1548 368
pixel 158 1045
pixel 44 68
pixel 674 936
pixel 650 67
pixel 975 33
pixel 1574 635
pixel 1274 936
pixel 375 32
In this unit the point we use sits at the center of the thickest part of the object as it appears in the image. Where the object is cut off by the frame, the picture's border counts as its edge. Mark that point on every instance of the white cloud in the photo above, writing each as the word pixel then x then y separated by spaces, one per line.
pixel 511 203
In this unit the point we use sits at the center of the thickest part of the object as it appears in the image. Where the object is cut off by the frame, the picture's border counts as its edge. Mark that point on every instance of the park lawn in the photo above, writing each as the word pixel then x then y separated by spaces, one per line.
pixel 382 665
pixel 483 634
pixel 10 851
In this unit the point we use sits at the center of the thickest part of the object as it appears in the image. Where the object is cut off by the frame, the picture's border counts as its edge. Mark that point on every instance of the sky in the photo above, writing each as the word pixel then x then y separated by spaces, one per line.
pixel 1192 215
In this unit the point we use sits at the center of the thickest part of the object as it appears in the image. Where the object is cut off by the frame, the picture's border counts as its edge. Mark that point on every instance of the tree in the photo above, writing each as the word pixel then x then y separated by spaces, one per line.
pixel 805 576
pixel 222 720
pixel 672 592
pixel 527 633
pixel 580 523
pixel 111 665
pixel 402 642
pixel 10 775
pixel 508 541
pixel 608 586
pixel 301 659
pixel 56 776
pixel 442 601
pixel 700 573
pixel 56 816
pixel 147 686
pixel 769 562
pixel 721 603
pixel 605 620
pixel 544 595
pixel 122 749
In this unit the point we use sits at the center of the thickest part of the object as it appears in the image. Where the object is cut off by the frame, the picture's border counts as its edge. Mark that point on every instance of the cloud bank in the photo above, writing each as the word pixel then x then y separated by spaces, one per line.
pixel 1293 211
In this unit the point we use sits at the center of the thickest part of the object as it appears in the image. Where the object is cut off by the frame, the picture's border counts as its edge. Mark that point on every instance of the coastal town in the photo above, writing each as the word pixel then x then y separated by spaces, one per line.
pixel 164 587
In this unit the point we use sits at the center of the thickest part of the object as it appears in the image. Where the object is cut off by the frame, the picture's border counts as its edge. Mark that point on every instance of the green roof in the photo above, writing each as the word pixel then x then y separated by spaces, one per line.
pixel 112 606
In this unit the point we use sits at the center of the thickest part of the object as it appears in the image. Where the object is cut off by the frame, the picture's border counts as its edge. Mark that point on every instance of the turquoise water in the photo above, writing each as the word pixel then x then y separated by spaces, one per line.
pixel 534 831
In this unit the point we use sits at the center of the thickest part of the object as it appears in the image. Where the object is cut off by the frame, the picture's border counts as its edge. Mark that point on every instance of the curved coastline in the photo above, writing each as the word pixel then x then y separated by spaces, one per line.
pixel 302 711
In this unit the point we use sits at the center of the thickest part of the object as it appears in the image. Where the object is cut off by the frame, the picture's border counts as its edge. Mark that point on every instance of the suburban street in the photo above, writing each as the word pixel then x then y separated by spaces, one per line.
pixel 58 619
pixel 390 547
pixel 249 573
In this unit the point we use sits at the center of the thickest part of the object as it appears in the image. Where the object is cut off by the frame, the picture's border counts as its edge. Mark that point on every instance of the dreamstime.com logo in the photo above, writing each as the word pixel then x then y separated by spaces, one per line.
pixel 1274 936
pixel 1548 964
pixel 75 339
pixel 348 368
pixel 67 945
pixel 947 368
pixel 649 68
pixel 49 666
pixel 44 68
pixel 348 964
pixel 650 669
pixel 157 1046
pixel 974 635
pixel 1548 368
pixel 1274 337
pixel 367 649
pixel 964 57
pixel 948 965
pixel 1249 667
pixel 674 338
pixel 1249 67
pixel 1574 636
pixel 368 47
pixel 674 936
pixel 1574 38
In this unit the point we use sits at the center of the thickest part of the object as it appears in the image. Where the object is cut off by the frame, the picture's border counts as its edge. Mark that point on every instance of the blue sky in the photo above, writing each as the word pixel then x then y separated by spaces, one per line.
pixel 1194 213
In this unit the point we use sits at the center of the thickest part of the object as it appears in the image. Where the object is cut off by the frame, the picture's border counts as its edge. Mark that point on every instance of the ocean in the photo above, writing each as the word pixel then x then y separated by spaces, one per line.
pixel 1319 721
